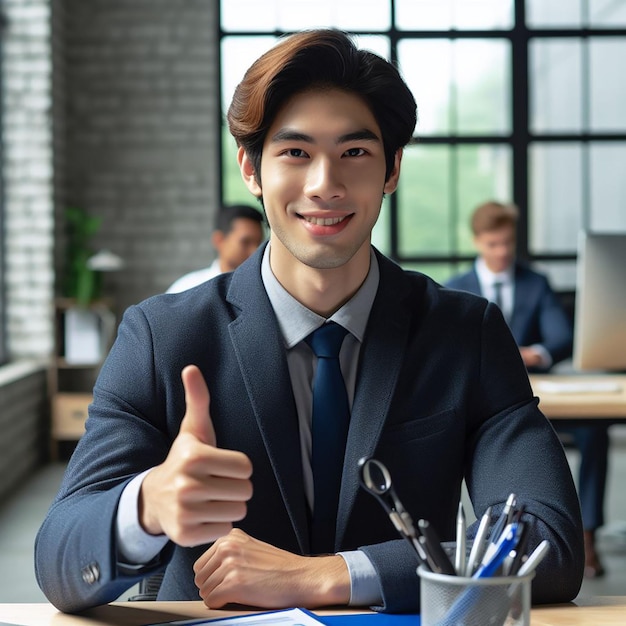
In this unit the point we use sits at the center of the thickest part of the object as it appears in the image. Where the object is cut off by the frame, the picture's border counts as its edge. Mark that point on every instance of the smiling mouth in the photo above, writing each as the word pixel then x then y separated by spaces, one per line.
pixel 323 221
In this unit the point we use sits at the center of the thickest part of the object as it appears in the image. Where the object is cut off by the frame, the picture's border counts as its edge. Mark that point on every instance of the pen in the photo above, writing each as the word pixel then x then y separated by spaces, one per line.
pixel 459 560
pixel 500 551
pixel 535 558
pixel 438 557
pixel 519 549
pixel 474 604
pixel 503 519
pixel 480 543
pixel 511 509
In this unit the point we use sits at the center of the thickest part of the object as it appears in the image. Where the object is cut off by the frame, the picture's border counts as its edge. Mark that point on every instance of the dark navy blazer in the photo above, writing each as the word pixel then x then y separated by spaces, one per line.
pixel 538 317
pixel 441 394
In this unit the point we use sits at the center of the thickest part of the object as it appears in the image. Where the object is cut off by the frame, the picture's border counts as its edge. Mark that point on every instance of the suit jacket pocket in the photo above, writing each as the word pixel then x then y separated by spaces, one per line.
pixel 420 428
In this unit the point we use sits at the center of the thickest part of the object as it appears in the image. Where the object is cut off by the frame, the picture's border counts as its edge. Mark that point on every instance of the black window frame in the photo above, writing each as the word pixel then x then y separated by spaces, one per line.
pixel 520 139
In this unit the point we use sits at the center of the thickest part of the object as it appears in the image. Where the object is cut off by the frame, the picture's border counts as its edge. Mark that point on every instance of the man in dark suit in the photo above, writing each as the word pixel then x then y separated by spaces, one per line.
pixel 435 386
pixel 543 333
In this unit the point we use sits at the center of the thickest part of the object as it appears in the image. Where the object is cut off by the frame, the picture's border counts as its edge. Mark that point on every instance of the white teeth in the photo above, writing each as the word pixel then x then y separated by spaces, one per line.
pixel 324 221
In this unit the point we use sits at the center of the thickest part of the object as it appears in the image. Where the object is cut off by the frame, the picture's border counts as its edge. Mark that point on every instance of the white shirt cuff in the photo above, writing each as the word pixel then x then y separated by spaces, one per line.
pixel 364 583
pixel 134 544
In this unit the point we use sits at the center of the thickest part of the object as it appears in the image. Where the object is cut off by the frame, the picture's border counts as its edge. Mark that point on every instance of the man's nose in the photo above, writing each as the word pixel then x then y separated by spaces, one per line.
pixel 323 180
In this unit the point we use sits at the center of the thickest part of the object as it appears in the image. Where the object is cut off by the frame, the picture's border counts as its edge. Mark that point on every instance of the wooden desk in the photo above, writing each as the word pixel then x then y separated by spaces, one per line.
pixel 609 405
pixel 606 610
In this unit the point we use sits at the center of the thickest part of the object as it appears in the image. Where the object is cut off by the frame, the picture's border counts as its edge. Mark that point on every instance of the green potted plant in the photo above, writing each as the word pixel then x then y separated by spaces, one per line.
pixel 82 283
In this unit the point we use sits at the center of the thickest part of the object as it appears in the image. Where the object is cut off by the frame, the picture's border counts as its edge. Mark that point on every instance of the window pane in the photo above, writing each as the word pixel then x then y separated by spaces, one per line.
pixel 477 72
pixel 382 229
pixel 555 197
pixel 424 201
pixel 427 69
pixel 561 274
pixel 559 13
pixel 233 188
pixel 608 85
pixel 555 86
pixel 440 272
pixel 608 186
pixel 245 15
pixel 610 13
pixel 446 14
pixel 482 80
pixel 484 173
pixel 288 15
pixel 238 54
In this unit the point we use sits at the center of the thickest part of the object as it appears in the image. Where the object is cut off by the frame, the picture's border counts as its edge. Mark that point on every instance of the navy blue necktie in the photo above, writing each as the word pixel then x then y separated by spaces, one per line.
pixel 497 289
pixel 329 430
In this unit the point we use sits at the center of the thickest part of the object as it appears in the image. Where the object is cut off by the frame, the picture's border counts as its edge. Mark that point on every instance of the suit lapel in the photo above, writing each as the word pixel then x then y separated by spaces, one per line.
pixel 380 363
pixel 261 355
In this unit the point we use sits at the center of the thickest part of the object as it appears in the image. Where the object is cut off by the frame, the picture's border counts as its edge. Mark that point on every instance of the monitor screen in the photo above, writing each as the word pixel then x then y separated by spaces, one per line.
pixel 600 316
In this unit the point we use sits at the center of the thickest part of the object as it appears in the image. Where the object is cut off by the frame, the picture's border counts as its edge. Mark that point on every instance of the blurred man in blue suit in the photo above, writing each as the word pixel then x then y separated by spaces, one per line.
pixel 543 333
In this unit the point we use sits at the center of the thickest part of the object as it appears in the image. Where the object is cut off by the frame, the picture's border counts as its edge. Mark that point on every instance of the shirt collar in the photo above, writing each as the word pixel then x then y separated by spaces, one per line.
pixel 297 321
pixel 487 277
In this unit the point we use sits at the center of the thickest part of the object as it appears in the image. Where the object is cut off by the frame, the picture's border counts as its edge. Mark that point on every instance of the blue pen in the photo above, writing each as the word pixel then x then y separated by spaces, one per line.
pixel 494 558
pixel 471 606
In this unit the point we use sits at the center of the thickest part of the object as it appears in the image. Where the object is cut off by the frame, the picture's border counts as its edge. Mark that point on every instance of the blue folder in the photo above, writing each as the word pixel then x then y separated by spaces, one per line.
pixel 371 619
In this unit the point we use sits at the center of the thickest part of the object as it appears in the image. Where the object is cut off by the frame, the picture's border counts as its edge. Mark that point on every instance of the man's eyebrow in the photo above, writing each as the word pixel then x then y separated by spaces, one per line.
pixel 292 135
pixel 359 135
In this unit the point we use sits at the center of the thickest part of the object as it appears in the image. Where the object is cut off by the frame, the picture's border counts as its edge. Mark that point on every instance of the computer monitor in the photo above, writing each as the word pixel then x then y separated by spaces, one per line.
pixel 600 310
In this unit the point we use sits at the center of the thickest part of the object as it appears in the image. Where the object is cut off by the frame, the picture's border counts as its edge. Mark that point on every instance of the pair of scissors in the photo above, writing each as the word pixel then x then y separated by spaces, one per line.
pixel 376 480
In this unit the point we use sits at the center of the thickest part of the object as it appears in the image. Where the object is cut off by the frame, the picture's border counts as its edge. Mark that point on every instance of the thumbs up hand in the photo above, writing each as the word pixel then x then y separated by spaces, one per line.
pixel 197 420
pixel 199 490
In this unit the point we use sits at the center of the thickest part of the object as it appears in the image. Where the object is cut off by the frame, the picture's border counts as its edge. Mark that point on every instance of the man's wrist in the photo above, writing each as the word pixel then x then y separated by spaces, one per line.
pixel 134 544
pixel 364 581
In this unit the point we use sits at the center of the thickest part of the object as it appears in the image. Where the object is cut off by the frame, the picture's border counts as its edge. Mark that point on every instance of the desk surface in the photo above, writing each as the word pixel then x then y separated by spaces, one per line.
pixel 581 405
pixel 604 610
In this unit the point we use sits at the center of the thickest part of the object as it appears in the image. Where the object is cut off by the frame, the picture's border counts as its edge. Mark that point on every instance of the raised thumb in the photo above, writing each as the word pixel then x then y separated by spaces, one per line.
pixel 197 420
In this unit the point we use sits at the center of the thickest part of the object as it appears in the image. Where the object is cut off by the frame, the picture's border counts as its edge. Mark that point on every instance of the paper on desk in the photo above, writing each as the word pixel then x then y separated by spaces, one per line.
pixel 286 617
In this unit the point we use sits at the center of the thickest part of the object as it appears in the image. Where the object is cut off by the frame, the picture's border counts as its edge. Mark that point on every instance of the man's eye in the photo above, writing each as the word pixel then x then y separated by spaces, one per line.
pixel 352 152
pixel 296 152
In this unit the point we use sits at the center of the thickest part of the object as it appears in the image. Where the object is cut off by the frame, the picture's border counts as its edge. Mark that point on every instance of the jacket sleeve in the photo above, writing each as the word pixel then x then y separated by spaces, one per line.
pixel 510 447
pixel 75 552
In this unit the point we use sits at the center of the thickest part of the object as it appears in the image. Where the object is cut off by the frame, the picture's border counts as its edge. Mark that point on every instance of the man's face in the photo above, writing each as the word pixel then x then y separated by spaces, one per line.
pixel 323 179
pixel 244 237
pixel 497 248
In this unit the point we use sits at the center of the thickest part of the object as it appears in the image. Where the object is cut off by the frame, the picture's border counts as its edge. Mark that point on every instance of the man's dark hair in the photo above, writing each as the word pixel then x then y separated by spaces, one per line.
pixel 326 59
pixel 231 212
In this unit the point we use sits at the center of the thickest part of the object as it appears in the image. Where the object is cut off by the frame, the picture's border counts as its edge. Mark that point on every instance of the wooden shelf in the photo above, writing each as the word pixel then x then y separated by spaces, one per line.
pixel 71 383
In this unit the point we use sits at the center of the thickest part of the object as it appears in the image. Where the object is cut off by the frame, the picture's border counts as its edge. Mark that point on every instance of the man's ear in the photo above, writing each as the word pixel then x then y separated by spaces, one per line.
pixel 248 173
pixel 392 182
pixel 217 237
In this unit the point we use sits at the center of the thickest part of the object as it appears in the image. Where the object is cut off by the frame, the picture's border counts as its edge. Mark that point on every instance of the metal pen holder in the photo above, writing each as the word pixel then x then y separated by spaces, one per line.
pixel 462 601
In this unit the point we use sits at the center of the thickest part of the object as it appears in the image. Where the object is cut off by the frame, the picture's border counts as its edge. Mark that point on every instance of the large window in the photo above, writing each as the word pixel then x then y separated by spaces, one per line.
pixel 518 100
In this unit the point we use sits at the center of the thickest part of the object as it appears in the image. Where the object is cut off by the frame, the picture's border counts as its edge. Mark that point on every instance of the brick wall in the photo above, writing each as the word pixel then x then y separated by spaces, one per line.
pixel 28 177
pixel 142 141
pixel 110 105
